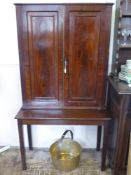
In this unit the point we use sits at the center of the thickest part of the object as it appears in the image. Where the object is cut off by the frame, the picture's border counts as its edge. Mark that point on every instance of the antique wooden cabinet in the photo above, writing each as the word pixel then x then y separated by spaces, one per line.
pixel 119 106
pixel 120 93
pixel 63 54
pixel 63 50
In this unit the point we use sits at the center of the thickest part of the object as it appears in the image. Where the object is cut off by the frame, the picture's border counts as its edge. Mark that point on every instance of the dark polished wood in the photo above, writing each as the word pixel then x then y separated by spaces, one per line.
pixel 119 93
pixel 85 41
pixel 43 33
pixel 49 36
pixel 29 137
pixel 40 36
pixel 22 146
pixel 105 145
pixel 119 105
pixel 62 117
pixel 99 131
pixel 63 50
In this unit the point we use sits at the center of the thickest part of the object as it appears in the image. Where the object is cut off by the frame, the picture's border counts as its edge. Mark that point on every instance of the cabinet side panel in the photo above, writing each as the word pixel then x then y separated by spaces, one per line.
pixel 23 54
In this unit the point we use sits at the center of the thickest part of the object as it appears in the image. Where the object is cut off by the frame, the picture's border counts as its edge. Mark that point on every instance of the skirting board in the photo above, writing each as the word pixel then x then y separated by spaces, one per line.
pixel 4 148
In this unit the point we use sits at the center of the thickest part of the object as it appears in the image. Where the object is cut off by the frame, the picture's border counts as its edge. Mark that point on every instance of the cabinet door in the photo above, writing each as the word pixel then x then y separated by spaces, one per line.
pixel 42 28
pixel 85 56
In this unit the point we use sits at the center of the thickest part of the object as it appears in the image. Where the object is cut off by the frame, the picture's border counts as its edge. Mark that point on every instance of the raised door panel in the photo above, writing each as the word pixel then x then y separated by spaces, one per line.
pixel 83 51
pixel 84 56
pixel 43 45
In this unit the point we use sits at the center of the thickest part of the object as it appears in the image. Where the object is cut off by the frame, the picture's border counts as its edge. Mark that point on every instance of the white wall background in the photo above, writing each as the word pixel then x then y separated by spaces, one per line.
pixel 10 89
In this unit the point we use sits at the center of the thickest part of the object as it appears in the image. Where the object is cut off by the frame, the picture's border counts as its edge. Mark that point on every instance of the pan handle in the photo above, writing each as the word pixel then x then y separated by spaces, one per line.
pixel 64 134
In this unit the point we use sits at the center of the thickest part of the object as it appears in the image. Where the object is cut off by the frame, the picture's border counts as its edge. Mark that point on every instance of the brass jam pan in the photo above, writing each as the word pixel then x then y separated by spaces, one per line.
pixel 65 153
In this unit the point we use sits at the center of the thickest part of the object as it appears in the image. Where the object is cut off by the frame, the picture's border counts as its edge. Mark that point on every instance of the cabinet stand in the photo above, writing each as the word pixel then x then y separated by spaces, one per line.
pixel 62 117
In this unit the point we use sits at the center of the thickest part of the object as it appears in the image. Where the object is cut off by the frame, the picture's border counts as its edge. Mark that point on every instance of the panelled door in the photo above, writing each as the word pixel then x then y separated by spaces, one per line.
pixel 85 58
pixel 42 62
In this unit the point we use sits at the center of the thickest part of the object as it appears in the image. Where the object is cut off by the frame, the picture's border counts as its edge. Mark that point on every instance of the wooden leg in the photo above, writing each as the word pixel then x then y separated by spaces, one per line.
pixel 105 146
pixel 22 147
pixel 29 137
pixel 99 130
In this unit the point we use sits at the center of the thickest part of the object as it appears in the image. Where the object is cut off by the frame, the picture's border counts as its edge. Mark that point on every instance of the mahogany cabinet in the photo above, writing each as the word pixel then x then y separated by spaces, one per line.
pixel 63 53
pixel 63 50
pixel 119 93
pixel 119 106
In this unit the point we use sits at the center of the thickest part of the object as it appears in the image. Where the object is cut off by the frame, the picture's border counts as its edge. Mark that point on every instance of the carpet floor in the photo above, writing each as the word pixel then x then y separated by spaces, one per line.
pixel 39 163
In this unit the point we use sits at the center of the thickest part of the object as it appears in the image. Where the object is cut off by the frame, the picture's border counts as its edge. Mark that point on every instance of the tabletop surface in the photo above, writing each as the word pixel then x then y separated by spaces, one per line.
pixel 120 86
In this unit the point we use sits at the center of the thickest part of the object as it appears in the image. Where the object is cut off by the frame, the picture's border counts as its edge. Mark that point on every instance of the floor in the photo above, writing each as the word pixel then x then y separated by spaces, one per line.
pixel 39 163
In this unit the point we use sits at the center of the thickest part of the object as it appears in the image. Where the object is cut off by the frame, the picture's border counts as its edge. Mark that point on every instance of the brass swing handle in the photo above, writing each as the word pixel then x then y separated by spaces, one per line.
pixel 64 134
